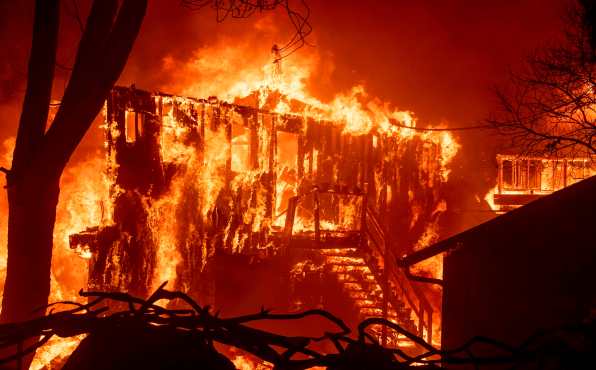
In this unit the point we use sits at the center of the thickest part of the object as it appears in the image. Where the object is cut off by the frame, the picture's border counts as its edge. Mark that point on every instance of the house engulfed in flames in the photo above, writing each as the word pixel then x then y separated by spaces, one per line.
pixel 267 201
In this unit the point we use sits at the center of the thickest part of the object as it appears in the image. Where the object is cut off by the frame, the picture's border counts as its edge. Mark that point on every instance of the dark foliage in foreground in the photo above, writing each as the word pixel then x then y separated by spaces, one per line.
pixel 145 335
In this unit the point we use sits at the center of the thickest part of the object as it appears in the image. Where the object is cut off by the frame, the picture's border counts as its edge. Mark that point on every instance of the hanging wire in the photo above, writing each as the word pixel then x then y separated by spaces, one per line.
pixel 460 128
pixel 299 18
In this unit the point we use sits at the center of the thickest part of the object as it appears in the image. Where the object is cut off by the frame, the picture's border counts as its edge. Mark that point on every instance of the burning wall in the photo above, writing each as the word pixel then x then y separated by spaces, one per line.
pixel 523 179
pixel 224 173
pixel 195 178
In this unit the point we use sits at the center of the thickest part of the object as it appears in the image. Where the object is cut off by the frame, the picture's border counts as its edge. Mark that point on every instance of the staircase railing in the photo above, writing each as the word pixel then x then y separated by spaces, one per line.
pixel 396 286
pixel 378 254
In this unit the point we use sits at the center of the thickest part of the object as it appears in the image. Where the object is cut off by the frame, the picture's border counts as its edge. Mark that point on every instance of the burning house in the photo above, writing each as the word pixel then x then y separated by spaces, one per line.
pixel 267 201
pixel 522 179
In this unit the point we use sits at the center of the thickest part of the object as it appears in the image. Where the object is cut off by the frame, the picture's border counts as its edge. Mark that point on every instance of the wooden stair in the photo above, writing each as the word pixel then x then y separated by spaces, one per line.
pixel 364 265
pixel 362 288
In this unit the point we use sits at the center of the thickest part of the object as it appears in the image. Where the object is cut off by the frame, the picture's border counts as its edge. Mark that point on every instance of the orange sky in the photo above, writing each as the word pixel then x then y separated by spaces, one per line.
pixel 437 59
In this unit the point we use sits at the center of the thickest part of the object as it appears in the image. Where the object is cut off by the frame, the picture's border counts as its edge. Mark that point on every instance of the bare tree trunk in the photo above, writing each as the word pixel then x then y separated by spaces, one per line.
pixel 40 156
pixel 32 212
pixel 31 215
pixel 31 195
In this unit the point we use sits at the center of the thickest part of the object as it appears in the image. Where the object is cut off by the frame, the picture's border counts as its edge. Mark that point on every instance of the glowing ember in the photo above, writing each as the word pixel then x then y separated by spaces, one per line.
pixel 55 350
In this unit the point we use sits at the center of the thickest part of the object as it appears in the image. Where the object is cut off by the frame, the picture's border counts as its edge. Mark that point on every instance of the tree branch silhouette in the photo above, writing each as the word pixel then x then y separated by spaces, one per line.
pixel 245 8
pixel 549 107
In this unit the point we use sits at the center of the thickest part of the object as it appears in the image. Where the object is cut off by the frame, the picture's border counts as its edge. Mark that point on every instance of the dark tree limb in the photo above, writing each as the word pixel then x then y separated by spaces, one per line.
pixel 105 46
pixel 38 93
pixel 549 106
pixel 299 18
pixel 295 352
